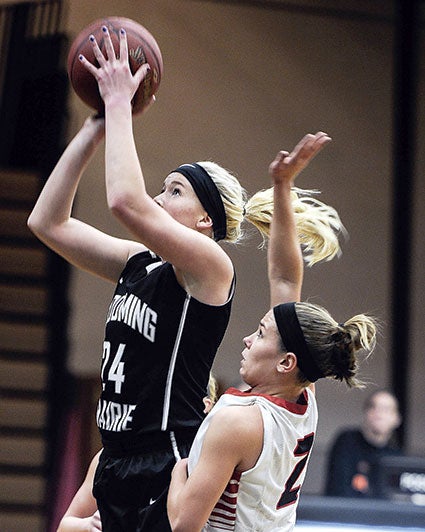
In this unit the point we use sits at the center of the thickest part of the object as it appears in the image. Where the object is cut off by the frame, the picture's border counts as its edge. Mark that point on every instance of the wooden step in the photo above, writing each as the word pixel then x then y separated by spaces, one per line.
pixel 13 223
pixel 18 185
pixel 23 375
pixel 27 300
pixel 20 521
pixel 22 452
pixel 29 263
pixel 16 413
pixel 31 338
pixel 22 489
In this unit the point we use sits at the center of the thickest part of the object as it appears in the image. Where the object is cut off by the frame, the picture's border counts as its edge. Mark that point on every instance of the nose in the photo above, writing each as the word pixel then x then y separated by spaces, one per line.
pixel 248 341
pixel 158 199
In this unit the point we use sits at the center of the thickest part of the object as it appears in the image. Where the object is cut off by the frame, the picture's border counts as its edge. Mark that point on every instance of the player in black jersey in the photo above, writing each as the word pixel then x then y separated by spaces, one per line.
pixel 82 513
pixel 174 288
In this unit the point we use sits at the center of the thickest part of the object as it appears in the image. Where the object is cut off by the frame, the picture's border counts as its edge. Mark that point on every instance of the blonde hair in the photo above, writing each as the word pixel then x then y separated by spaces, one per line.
pixel 233 196
pixel 212 389
pixel 318 224
pixel 336 345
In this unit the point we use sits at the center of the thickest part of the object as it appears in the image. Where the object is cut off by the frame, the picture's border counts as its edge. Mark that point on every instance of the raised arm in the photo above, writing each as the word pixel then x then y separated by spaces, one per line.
pixel 51 220
pixel 285 261
pixel 198 259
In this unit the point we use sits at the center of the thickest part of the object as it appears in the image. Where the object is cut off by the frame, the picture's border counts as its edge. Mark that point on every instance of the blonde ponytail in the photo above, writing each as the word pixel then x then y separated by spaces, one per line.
pixel 336 346
pixel 318 225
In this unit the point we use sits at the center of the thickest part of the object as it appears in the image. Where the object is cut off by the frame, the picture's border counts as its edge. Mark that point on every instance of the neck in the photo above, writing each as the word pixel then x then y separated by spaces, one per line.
pixel 376 438
pixel 288 393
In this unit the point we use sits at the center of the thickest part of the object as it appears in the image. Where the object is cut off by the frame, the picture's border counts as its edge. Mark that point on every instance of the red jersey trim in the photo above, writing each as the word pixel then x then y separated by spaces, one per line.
pixel 223 515
pixel 295 408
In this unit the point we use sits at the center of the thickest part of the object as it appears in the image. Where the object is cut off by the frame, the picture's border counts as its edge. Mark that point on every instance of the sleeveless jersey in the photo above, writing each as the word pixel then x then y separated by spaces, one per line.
pixel 158 350
pixel 265 498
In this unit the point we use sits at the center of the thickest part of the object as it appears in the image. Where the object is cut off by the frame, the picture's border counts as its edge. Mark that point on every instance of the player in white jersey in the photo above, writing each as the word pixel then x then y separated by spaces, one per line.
pixel 250 498
pixel 248 461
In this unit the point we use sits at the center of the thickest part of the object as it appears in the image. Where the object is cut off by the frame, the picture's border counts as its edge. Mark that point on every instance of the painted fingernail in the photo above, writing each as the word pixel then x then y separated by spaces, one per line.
pixel 80 57
pixel 91 38
pixel 104 29
pixel 122 30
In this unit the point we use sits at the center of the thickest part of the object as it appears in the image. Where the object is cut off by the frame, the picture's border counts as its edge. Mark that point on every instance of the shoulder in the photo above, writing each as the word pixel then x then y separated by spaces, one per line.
pixel 239 413
pixel 143 261
pixel 238 422
pixel 142 254
pixel 349 433
pixel 237 431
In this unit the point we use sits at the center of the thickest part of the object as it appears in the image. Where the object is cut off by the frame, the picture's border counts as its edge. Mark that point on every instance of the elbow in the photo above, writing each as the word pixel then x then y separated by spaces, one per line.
pixel 40 227
pixel 181 523
pixel 120 205
pixel 62 526
pixel 43 228
pixel 175 520
pixel 30 223
pixel 178 526
pixel 33 224
pixel 125 206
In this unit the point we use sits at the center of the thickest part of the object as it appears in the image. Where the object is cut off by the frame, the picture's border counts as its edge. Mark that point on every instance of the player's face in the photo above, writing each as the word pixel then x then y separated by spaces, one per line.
pixel 382 415
pixel 262 353
pixel 180 201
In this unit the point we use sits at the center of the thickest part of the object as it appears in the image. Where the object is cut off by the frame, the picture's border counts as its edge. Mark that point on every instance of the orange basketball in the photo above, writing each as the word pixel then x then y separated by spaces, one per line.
pixel 142 48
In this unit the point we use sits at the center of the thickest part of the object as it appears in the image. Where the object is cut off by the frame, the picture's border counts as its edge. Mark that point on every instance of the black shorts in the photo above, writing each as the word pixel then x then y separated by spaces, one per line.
pixel 131 486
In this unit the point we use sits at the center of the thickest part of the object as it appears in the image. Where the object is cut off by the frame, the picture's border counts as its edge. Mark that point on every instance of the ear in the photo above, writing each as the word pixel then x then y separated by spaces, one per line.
pixel 204 223
pixel 208 404
pixel 287 363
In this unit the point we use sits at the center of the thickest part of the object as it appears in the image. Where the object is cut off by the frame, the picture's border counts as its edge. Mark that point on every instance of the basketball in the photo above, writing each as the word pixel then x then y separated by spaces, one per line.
pixel 142 48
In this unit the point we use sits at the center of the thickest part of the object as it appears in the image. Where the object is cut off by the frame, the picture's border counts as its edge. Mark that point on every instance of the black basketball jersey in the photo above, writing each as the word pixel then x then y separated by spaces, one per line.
pixel 158 351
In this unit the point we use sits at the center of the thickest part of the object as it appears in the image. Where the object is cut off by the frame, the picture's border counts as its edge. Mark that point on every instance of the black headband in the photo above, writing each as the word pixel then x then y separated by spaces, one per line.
pixel 208 195
pixel 294 341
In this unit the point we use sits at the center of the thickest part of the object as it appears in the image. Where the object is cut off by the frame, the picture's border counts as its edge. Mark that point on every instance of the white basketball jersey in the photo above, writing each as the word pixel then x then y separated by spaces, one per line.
pixel 265 498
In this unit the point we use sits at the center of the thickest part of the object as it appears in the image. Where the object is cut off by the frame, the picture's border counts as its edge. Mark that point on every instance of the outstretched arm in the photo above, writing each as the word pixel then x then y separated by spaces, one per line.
pixel 203 267
pixel 51 220
pixel 285 261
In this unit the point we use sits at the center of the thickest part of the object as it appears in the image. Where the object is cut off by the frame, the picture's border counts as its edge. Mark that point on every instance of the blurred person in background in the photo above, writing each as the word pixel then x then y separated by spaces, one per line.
pixel 354 455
